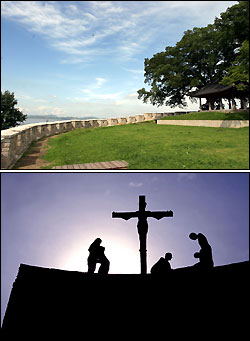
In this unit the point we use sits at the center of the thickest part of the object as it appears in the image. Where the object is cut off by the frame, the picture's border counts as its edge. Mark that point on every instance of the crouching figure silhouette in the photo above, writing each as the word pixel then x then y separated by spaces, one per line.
pixel 162 267
pixel 96 255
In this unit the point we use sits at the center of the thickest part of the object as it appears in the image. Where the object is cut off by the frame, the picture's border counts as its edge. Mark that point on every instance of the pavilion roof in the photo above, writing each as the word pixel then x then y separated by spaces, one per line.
pixel 212 89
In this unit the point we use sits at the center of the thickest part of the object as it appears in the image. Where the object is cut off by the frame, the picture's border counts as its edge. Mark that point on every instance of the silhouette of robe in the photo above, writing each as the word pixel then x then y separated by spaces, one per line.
pixel 161 268
pixel 96 255
pixel 205 254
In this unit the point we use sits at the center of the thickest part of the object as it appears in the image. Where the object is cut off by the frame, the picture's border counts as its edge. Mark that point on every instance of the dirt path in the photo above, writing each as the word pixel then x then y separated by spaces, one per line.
pixel 33 155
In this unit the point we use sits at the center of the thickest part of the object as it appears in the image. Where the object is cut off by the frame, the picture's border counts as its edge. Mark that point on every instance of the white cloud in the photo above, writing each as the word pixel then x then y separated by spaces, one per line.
pixel 135 71
pixel 107 6
pixel 85 30
pixel 72 8
pixel 90 28
pixel 135 184
pixel 100 81
pixel 92 92
pixel 25 98
pixel 44 18
pixel 72 46
pixel 113 104
pixel 128 99
pixel 90 16
pixel 70 29
pixel 20 95
pixel 108 96
pixel 77 60
pixel 86 91
pixel 92 95
pixel 186 176
pixel 58 111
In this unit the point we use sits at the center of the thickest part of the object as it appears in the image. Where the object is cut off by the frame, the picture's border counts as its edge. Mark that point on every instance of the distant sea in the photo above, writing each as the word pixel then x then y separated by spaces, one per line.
pixel 33 119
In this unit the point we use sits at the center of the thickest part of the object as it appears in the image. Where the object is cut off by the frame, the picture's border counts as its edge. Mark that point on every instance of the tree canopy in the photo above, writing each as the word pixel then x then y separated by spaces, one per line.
pixel 218 52
pixel 10 116
pixel 238 72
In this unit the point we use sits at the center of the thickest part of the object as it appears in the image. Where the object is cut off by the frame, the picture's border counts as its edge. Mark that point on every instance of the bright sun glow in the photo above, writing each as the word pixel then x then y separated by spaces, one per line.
pixel 123 260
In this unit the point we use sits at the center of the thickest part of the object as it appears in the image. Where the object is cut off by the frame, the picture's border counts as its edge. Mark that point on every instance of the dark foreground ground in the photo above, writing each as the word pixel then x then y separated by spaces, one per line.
pixel 52 304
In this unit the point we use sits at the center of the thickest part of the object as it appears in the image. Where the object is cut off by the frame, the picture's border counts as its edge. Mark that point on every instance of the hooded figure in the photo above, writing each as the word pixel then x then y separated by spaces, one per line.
pixel 96 255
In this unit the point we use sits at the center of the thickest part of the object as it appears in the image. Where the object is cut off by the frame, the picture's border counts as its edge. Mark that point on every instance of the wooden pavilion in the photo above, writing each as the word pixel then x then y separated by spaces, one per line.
pixel 215 92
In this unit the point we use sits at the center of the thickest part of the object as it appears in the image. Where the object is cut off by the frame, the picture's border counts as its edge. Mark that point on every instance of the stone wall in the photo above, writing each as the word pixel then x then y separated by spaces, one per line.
pixel 15 141
pixel 207 123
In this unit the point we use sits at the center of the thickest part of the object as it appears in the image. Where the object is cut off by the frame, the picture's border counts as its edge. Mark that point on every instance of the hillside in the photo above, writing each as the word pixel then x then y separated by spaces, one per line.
pixel 58 301
pixel 213 115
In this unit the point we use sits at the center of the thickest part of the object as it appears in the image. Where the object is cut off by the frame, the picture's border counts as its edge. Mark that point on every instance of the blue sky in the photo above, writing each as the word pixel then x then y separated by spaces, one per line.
pixel 50 219
pixel 81 58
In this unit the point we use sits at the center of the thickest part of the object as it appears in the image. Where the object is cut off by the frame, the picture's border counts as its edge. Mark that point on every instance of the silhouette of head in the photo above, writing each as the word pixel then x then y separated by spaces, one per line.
pixel 168 256
pixel 95 245
pixel 193 236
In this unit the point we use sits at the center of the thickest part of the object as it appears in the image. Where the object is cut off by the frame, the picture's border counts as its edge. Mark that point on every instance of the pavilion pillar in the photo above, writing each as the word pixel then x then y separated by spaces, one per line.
pixel 243 103
pixel 221 104
pixel 209 104
pixel 200 103
pixel 233 104
pixel 229 104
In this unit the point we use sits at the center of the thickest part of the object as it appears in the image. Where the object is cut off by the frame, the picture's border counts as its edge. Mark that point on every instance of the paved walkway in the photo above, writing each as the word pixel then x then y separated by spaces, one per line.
pixel 96 165
pixel 33 157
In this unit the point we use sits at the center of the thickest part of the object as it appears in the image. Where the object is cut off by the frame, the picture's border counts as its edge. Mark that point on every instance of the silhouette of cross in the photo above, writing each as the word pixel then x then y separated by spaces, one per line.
pixel 142 226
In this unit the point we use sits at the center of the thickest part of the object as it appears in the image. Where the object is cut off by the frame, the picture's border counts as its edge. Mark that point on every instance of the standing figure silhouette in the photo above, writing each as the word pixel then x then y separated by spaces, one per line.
pixel 96 255
pixel 205 255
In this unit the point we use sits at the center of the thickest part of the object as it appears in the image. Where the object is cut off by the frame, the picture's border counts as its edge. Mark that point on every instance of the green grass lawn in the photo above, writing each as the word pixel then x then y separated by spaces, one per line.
pixel 152 146
pixel 210 116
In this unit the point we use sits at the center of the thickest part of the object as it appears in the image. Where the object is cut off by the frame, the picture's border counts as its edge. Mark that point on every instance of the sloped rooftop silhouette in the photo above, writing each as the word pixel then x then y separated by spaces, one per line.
pixel 52 300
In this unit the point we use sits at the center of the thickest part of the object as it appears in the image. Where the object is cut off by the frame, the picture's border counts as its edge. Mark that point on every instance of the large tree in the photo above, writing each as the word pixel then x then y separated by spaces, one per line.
pixel 233 26
pixel 203 55
pixel 10 116
pixel 193 62
pixel 238 72
pixel 234 39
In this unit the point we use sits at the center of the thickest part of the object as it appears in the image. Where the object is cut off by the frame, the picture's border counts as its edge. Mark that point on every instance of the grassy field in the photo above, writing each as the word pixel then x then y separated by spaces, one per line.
pixel 151 146
pixel 210 116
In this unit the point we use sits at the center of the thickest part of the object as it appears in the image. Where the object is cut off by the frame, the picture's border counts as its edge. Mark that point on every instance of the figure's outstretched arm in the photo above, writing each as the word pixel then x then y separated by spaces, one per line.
pixel 124 215
pixel 159 214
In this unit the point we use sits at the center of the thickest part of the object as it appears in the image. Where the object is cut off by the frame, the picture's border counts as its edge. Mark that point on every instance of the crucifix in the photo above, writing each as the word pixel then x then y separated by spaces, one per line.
pixel 142 226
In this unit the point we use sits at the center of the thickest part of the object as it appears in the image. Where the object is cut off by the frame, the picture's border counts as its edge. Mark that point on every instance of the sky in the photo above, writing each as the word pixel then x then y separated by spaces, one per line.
pixel 86 58
pixel 50 219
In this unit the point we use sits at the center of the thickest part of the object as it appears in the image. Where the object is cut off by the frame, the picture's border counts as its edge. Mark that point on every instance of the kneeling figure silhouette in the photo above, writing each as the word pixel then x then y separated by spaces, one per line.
pixel 96 255
pixel 162 267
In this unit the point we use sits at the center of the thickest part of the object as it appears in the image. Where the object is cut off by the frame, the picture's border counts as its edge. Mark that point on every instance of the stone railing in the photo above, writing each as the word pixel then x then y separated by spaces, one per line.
pixel 15 141
pixel 207 123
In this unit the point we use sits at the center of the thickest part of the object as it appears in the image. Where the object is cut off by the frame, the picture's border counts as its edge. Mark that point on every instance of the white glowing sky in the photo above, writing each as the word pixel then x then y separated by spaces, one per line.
pixel 50 219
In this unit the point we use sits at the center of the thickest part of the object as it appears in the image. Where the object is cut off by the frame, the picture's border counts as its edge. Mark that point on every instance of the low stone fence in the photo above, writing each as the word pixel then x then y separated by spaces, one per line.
pixel 207 123
pixel 15 141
